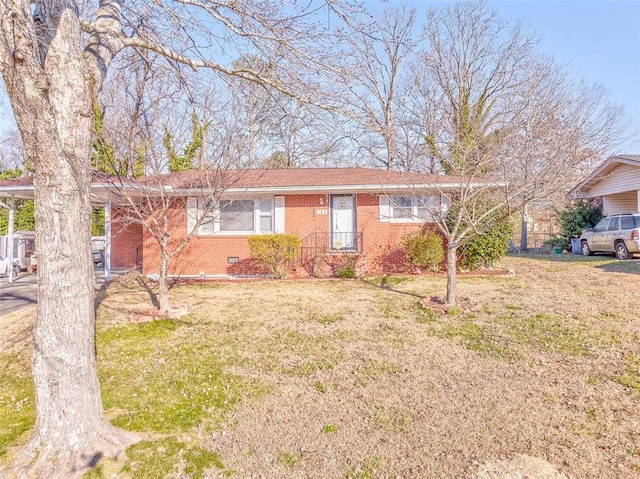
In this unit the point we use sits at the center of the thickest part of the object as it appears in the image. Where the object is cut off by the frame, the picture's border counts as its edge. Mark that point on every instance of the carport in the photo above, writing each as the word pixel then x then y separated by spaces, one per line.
pixel 22 188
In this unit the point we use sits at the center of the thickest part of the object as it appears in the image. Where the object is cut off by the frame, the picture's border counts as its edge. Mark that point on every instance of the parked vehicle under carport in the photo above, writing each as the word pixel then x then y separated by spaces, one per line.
pixel 5 268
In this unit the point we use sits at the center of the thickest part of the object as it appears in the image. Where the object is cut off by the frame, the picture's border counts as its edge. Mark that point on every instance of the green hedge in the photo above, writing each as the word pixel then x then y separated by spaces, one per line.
pixel 424 249
pixel 274 252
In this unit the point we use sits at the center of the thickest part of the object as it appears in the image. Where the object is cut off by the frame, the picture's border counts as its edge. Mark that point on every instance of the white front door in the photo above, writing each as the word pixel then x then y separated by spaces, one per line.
pixel 343 222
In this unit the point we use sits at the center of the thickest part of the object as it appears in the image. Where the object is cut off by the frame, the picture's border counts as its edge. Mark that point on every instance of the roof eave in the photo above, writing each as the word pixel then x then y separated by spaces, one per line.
pixel 373 189
pixel 17 192
pixel 581 190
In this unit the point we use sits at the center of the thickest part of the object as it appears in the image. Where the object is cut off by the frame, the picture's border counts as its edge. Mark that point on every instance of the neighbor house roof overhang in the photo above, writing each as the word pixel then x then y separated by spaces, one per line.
pixel 604 170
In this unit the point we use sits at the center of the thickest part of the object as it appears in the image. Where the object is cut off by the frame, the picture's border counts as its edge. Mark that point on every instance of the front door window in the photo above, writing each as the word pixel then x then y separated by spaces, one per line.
pixel 343 222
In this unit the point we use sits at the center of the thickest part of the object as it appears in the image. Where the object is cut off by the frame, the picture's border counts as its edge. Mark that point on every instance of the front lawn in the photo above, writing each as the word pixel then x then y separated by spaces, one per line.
pixel 366 379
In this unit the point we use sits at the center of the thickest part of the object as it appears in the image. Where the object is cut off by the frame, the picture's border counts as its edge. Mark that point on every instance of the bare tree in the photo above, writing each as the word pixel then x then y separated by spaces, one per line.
pixel 376 87
pixel 171 218
pixel 274 130
pixel 54 60
pixel 506 124
pixel 11 155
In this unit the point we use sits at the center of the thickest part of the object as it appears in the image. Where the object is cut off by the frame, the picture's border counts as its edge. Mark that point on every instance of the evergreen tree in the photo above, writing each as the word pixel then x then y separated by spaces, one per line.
pixel 185 162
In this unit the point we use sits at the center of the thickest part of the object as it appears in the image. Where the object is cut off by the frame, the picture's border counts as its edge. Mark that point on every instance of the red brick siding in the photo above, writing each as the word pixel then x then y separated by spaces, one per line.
pixel 381 238
pixel 126 242
pixel 304 214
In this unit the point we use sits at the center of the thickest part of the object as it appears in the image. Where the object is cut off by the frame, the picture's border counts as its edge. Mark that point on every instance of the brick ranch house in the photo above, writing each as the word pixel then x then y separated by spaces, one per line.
pixel 334 211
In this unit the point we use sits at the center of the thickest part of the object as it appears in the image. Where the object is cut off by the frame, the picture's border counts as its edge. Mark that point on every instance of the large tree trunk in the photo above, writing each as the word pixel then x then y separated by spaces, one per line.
pixel 51 94
pixel 452 252
pixel 71 432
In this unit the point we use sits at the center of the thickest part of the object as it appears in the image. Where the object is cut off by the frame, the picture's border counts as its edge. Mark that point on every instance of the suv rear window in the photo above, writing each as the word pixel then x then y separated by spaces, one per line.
pixel 629 222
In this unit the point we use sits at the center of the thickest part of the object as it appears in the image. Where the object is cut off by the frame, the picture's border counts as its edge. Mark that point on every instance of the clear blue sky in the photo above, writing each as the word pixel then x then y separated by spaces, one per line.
pixel 598 39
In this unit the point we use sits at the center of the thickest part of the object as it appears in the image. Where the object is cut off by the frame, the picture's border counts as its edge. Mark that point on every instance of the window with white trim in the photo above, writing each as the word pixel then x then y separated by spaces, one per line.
pixel 206 210
pixel 237 215
pixel 409 209
pixel 242 216
pixel 265 220
pixel 401 207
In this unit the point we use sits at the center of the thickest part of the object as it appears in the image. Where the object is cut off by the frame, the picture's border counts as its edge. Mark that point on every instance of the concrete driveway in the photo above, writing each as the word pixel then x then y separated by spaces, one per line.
pixel 23 292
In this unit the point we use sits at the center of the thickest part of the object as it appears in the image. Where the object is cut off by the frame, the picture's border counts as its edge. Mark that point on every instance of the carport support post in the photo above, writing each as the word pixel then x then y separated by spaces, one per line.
pixel 107 240
pixel 12 207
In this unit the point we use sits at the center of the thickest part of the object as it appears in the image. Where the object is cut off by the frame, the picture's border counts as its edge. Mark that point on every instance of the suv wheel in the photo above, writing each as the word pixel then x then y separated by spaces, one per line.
pixel 586 251
pixel 621 251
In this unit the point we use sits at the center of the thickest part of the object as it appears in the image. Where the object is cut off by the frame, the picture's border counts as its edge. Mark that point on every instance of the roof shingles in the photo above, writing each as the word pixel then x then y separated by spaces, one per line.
pixel 290 179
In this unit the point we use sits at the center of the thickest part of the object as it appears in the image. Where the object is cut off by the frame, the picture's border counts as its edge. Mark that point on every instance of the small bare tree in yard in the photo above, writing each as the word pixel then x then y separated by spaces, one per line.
pixel 159 204
pixel 54 59
pixel 507 125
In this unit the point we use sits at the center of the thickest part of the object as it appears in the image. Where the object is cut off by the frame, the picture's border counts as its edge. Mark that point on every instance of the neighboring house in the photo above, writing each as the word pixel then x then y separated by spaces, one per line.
pixel 617 181
pixel 334 211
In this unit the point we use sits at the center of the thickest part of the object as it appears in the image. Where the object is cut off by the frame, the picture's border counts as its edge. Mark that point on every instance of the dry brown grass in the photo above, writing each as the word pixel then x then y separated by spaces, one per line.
pixel 363 380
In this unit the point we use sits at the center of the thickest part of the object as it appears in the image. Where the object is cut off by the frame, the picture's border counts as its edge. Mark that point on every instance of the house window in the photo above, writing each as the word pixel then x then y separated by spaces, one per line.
pixel 266 216
pixel 244 216
pixel 206 208
pixel 401 207
pixel 237 215
pixel 413 209
pixel 427 206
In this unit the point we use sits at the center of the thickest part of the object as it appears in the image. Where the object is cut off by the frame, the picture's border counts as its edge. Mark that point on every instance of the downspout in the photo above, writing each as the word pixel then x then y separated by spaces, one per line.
pixel 12 207
pixel 107 240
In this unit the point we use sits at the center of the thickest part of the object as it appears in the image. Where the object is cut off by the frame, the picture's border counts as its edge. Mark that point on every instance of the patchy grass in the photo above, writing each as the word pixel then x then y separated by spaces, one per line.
pixel 17 398
pixel 548 332
pixel 169 385
pixel 476 338
pixel 631 376
pixel 169 457
pixel 516 335
pixel 367 379
pixel 290 460
pixel 366 470
pixel 329 428
pixel 373 369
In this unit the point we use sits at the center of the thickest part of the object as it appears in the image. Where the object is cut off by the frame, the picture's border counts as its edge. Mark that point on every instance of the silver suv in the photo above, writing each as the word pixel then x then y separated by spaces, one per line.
pixel 619 234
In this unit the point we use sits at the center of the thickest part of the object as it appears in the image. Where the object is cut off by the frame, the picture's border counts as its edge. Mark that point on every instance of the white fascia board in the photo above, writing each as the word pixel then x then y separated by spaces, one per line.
pixel 578 195
pixel 373 189
pixel 115 190
pixel 102 191
pixel 18 192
